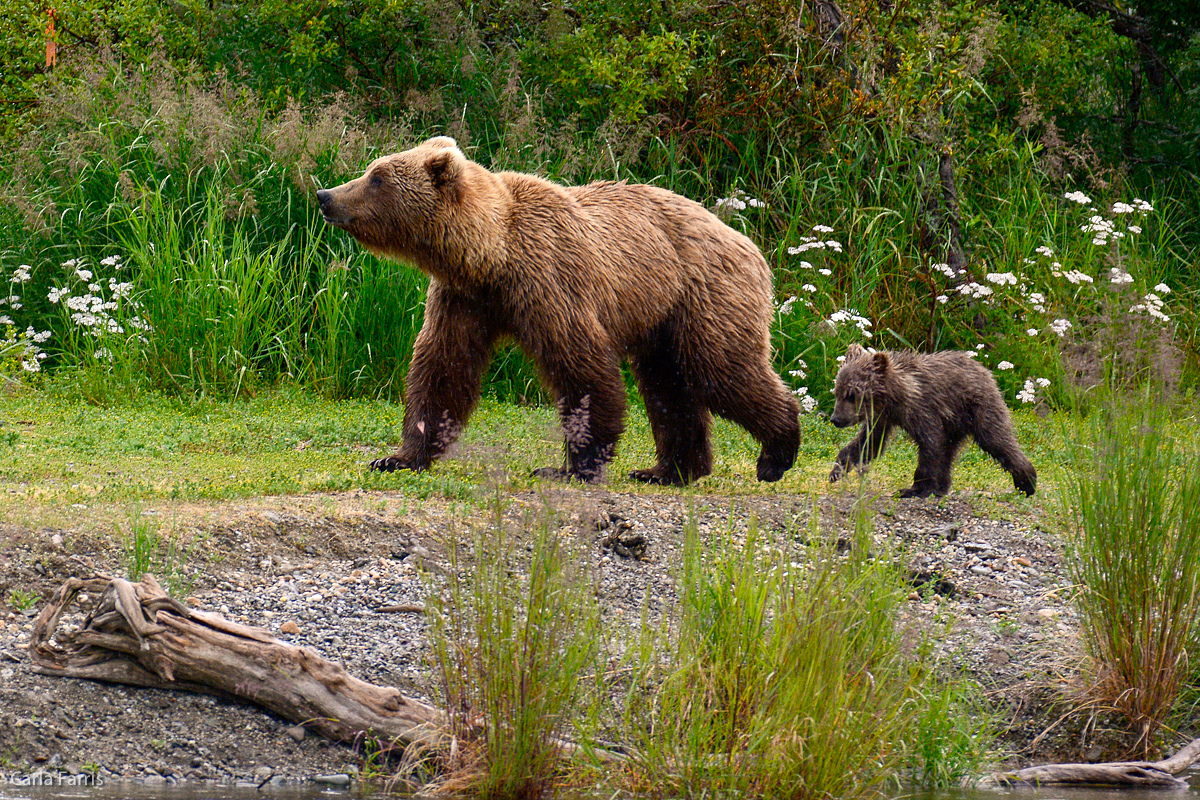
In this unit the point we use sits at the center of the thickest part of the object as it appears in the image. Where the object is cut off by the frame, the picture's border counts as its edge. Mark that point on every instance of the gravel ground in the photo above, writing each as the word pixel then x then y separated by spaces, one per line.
pixel 342 574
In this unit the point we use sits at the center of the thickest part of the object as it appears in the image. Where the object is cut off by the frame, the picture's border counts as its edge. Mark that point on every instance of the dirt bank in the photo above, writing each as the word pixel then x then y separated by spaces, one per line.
pixel 322 571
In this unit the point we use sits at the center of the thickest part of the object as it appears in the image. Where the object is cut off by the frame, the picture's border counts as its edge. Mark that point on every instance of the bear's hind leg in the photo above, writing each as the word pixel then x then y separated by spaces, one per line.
pixel 998 441
pixel 759 402
pixel 587 380
pixel 679 422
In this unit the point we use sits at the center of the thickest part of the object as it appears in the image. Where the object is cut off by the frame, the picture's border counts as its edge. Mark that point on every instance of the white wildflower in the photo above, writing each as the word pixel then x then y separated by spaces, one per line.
pixel 1078 197
pixel 1060 326
pixel 1004 365
pixel 808 287
pixel 1032 331
pixel 1119 276
pixel 1002 278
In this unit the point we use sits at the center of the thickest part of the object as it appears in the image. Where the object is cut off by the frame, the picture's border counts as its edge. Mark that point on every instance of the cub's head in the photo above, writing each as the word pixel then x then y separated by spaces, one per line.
pixel 397 205
pixel 858 385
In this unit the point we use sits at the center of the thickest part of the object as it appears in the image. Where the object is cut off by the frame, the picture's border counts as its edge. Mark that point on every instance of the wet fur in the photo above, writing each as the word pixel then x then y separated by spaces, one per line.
pixel 582 277
pixel 938 399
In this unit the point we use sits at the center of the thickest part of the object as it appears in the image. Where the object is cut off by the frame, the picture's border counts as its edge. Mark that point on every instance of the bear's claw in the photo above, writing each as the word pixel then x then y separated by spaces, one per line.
pixel 393 463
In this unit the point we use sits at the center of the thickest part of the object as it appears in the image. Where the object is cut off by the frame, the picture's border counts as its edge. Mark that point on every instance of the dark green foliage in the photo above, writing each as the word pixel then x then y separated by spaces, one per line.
pixel 919 132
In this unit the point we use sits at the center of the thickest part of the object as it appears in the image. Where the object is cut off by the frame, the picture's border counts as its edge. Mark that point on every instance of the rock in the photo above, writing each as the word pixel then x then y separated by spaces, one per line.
pixel 263 772
pixel 289 627
pixel 296 732
pixel 340 779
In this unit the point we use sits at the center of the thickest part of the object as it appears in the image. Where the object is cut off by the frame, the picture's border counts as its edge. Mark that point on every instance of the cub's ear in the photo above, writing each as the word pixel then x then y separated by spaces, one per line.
pixel 881 362
pixel 444 167
pixel 854 352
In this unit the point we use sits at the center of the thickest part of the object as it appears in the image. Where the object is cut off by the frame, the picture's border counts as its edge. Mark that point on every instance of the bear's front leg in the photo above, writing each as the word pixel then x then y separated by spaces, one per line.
pixel 449 357
pixel 864 448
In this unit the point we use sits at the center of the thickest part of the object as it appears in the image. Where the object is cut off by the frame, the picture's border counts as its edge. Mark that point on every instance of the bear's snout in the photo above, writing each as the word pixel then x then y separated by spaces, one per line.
pixel 330 210
pixel 840 422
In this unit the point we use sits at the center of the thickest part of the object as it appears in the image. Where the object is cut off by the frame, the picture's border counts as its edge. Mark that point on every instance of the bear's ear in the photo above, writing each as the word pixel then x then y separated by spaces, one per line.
pixel 881 363
pixel 854 352
pixel 444 167
pixel 440 141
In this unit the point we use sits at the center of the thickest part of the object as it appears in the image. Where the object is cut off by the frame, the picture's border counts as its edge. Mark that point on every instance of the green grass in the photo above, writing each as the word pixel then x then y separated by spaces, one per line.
pixel 783 672
pixel 57 451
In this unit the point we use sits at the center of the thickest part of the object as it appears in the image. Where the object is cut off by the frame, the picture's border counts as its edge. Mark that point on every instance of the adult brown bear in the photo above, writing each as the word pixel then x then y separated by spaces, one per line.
pixel 581 277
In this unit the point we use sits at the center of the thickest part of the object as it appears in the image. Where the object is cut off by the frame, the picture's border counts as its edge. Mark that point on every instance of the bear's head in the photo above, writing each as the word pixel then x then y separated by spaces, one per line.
pixel 857 388
pixel 413 205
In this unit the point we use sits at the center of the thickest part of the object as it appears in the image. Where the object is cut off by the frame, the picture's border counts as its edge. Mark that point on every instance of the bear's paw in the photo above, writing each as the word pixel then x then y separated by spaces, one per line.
pixel 395 462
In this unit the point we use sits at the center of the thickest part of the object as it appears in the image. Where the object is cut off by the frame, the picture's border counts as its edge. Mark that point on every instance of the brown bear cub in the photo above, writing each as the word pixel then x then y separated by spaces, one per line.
pixel 938 398
pixel 582 278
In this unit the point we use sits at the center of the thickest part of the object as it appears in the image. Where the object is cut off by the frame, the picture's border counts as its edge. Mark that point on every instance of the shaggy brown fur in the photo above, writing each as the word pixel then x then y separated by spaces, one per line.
pixel 581 277
pixel 938 398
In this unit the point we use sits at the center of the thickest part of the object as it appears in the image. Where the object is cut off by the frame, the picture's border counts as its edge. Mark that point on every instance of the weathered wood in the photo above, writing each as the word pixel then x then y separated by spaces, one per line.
pixel 136 634
pixel 1113 773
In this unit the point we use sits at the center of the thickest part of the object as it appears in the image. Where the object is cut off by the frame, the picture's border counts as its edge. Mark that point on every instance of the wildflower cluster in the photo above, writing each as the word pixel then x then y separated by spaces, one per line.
pixel 1038 310
pixel 737 201
pixel 17 346
pixel 816 243
pixel 814 296
pixel 91 311
pixel 1028 393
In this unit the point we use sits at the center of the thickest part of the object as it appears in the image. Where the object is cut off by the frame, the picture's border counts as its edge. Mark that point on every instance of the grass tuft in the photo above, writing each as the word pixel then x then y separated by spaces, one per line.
pixel 1132 505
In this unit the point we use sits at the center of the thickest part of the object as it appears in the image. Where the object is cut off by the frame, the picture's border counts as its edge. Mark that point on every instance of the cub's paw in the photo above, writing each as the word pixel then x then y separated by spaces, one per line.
pixel 395 462
pixel 836 473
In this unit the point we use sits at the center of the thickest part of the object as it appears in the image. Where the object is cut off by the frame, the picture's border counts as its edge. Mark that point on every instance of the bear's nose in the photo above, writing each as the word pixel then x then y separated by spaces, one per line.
pixel 322 196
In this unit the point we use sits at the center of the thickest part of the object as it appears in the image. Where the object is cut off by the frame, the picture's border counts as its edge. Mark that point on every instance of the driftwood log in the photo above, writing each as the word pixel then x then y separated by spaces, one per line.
pixel 1115 773
pixel 138 635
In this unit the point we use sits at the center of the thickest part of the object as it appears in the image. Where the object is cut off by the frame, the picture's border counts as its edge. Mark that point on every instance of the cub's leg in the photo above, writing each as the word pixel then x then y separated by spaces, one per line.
pixel 935 456
pixel 864 448
pixel 999 442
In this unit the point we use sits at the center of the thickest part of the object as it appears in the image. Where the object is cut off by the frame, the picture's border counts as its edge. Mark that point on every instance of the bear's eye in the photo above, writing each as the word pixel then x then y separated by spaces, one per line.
pixel 376 181
pixel 850 397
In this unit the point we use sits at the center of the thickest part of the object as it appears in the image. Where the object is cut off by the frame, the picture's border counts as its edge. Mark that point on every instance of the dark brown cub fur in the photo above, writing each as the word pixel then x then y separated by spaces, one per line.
pixel 938 399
